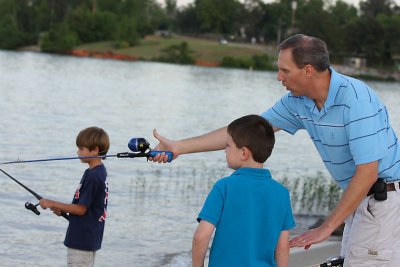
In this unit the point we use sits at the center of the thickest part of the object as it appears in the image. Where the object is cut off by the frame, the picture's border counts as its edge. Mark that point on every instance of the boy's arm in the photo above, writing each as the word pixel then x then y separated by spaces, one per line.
pixel 201 239
pixel 75 209
pixel 282 250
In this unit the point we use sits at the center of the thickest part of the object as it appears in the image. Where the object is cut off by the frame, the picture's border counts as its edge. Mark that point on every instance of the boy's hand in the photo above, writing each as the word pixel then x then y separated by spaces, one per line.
pixel 56 211
pixel 44 203
pixel 164 145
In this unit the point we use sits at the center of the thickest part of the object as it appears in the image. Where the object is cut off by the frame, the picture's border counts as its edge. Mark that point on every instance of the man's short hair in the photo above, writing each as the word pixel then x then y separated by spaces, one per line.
pixel 92 137
pixel 307 50
pixel 255 133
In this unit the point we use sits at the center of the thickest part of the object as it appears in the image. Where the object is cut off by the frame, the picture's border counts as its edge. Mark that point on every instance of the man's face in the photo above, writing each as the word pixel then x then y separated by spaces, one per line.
pixel 292 77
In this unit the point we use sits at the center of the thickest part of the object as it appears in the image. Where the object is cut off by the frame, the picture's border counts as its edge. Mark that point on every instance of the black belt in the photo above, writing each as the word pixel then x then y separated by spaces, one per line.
pixel 390 187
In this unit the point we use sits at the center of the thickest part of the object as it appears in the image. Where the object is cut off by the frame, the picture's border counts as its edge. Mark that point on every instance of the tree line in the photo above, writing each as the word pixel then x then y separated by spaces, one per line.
pixel 371 30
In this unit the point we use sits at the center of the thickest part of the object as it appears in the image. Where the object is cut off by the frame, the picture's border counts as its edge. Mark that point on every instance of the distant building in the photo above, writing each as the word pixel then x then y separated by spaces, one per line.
pixel 355 62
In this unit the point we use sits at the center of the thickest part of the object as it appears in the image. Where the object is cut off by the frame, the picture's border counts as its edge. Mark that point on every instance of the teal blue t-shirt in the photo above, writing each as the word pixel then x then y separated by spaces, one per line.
pixel 249 210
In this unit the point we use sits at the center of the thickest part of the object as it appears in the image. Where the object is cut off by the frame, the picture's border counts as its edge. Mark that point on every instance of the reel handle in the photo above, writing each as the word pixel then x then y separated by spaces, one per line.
pixel 30 206
pixel 66 216
pixel 169 154
pixel 150 154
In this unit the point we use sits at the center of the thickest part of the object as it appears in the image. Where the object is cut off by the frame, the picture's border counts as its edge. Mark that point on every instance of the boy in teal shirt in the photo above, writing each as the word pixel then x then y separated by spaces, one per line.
pixel 251 212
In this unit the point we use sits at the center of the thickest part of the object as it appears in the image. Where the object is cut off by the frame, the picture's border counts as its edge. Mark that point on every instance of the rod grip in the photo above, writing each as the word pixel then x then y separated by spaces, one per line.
pixel 154 153
pixel 66 216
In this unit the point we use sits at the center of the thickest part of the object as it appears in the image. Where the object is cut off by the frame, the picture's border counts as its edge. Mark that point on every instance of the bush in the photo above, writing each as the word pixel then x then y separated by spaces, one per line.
pixel 10 36
pixel 93 27
pixel 127 32
pixel 257 62
pixel 59 39
pixel 180 54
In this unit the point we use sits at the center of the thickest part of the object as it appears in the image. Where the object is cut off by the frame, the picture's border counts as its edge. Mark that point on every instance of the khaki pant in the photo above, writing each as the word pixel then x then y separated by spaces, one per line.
pixel 371 236
pixel 80 258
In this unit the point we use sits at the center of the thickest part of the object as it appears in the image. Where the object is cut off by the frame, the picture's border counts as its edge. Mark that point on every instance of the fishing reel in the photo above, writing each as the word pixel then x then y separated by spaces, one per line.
pixel 32 207
pixel 140 145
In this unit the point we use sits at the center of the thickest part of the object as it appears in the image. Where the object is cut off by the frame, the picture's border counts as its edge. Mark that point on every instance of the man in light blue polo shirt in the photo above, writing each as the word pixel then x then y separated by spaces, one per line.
pixel 350 128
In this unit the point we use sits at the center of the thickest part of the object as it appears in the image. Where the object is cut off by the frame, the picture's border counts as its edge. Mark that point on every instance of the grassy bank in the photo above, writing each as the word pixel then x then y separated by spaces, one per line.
pixel 209 51
pixel 212 53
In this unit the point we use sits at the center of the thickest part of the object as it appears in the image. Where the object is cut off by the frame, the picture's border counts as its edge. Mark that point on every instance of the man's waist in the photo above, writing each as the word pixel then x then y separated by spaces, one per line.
pixel 391 186
pixel 380 188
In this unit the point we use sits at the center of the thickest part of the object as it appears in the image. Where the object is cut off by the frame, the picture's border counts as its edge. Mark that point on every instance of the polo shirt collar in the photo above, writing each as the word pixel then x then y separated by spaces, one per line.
pixel 254 172
pixel 333 88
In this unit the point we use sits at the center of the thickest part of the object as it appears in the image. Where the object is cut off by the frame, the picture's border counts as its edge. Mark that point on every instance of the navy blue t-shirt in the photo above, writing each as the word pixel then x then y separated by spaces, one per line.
pixel 86 232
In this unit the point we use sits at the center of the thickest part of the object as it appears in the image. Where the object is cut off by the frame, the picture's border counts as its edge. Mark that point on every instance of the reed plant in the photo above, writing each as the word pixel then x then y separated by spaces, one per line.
pixel 312 194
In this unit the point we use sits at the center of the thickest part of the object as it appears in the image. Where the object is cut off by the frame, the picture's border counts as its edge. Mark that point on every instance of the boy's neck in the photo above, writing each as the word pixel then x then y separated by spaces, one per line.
pixel 252 164
pixel 94 163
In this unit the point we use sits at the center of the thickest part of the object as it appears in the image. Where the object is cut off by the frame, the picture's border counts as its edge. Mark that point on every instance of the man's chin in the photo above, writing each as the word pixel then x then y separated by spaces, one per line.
pixel 291 91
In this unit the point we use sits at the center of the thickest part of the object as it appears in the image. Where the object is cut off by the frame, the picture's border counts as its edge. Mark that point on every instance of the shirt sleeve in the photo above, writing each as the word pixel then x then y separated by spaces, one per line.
pixel 366 126
pixel 213 206
pixel 283 116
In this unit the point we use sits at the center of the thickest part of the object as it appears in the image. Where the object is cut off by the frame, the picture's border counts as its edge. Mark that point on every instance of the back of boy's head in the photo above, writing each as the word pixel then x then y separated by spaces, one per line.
pixel 255 133
pixel 92 137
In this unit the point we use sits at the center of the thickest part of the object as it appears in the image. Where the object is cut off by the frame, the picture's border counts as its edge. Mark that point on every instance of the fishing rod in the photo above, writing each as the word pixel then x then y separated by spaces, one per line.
pixel 137 145
pixel 29 205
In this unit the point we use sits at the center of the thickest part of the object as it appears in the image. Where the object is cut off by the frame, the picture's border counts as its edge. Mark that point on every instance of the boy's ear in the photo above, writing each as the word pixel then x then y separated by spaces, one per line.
pixel 246 153
pixel 96 150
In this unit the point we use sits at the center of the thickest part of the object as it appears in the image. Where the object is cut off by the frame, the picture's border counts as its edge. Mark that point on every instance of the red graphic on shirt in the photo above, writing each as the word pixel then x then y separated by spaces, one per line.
pixel 77 192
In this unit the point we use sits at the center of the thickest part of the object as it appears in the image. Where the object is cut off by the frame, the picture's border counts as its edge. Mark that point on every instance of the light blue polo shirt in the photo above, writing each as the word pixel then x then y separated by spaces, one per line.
pixel 352 128
pixel 249 210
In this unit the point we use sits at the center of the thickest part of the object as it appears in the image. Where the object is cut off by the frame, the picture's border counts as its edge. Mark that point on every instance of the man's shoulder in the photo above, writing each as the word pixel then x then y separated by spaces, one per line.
pixel 352 90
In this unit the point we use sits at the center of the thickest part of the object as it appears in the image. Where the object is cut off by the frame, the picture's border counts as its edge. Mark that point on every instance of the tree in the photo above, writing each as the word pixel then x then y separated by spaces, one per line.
pixel 391 28
pixel 217 16
pixel 187 20
pixel 373 8
pixel 126 31
pixel 341 14
pixel 59 39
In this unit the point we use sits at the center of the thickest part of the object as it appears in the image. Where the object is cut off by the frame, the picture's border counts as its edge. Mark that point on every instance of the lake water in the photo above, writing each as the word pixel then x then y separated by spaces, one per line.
pixel 46 100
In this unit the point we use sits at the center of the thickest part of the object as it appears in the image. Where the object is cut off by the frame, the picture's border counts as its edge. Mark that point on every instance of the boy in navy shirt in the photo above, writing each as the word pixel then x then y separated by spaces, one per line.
pixel 88 209
pixel 251 212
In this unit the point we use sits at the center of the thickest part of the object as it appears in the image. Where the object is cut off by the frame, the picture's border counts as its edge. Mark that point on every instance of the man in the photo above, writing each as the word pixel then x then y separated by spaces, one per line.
pixel 350 128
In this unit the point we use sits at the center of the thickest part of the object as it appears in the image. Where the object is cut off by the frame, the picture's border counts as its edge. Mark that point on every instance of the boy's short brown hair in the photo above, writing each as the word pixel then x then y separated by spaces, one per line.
pixel 255 133
pixel 92 137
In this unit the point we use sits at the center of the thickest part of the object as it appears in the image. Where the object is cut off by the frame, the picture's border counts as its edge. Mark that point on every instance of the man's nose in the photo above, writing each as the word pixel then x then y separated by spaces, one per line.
pixel 279 76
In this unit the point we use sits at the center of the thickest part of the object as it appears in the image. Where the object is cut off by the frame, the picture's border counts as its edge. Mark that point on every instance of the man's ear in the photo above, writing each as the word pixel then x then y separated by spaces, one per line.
pixel 309 70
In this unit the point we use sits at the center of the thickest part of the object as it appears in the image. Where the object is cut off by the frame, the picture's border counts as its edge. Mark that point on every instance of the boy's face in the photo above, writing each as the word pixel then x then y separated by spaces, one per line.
pixel 233 154
pixel 85 152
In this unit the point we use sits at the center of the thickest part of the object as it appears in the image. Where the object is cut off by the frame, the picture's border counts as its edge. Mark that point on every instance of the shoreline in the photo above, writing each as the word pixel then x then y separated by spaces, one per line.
pixel 364 73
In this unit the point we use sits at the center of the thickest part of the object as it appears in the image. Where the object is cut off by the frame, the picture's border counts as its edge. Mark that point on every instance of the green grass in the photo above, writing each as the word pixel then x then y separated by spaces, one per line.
pixel 204 50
